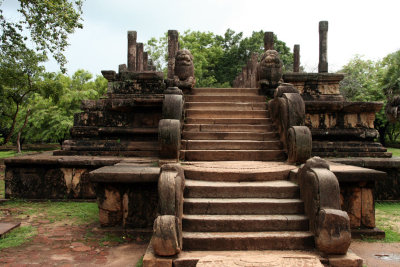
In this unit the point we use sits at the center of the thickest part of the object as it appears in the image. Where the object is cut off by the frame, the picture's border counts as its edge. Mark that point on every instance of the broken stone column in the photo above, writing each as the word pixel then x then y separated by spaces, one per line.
pixel 132 35
pixel 122 68
pixel 268 41
pixel 323 47
pixel 173 47
pixel 145 60
pixel 296 58
pixel 139 57
pixel 253 82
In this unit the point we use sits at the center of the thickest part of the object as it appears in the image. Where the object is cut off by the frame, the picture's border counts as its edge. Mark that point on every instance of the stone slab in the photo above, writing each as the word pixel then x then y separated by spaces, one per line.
pixel 260 260
pixel 348 260
pixel 7 227
pixel 125 173
pixel 348 173
pixel 374 233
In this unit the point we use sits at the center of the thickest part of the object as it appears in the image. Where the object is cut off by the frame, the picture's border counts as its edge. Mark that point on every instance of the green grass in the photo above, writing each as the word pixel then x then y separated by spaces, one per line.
pixel 73 212
pixel 388 219
pixel 17 237
pixel 394 151
pixel 140 262
pixel 7 154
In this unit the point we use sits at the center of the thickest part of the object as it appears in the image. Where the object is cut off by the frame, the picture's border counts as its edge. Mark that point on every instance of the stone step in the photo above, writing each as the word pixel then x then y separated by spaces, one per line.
pixel 308 257
pixel 244 223
pixel 225 91
pixel 225 98
pixel 242 206
pixel 225 171
pixel 230 145
pixel 249 121
pixel 228 128
pixel 227 105
pixel 127 153
pixel 215 114
pixel 286 240
pixel 262 189
pixel 269 136
pixel 234 155
pixel 110 145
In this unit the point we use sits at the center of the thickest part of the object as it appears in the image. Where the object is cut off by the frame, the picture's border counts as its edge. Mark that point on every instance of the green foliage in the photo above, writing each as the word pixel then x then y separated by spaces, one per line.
pixel 140 262
pixel 390 78
pixel 217 59
pixel 54 108
pixel 395 151
pixel 43 24
pixel 18 237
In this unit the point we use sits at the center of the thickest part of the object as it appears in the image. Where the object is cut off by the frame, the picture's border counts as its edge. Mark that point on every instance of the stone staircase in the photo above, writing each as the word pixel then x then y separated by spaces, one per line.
pixel 243 206
pixel 228 124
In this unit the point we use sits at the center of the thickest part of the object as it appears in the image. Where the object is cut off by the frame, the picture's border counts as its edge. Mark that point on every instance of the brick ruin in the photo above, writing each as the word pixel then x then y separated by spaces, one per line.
pixel 125 150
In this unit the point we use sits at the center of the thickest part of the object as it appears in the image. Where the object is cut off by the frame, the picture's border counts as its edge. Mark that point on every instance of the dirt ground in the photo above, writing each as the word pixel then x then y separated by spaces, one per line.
pixel 58 245
pixel 377 254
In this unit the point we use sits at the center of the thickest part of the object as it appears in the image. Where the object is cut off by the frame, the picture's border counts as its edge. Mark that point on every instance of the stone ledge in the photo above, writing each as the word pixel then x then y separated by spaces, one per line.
pixel 347 173
pixel 125 173
pixel 366 162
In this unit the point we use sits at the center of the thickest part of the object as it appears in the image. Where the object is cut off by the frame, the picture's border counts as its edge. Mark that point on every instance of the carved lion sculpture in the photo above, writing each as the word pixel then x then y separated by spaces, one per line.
pixel 270 69
pixel 184 70
pixel 392 109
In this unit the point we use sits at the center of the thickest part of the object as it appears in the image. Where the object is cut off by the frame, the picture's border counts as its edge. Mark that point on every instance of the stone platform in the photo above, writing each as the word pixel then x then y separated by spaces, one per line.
pixel 250 258
pixel 44 176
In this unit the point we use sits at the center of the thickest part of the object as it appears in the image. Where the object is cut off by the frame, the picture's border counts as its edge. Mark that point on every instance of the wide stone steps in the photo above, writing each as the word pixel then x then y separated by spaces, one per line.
pixel 242 206
pixel 228 128
pixel 225 98
pixel 230 145
pixel 225 91
pixel 248 121
pixel 244 223
pixel 217 113
pixel 239 155
pixel 262 189
pixel 228 105
pixel 265 136
pixel 282 240
pixel 231 171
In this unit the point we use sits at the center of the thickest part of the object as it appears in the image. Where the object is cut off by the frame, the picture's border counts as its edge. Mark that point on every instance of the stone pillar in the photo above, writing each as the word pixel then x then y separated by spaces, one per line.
pixel 132 35
pixel 145 60
pixel 173 47
pixel 249 74
pixel 139 57
pixel 244 71
pixel 121 68
pixel 296 58
pixel 323 47
pixel 254 59
pixel 268 41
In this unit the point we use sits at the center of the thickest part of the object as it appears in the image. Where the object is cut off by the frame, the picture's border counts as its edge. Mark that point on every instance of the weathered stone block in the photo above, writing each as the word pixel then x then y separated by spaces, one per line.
pixel 165 239
pixel 333 235
pixel 367 208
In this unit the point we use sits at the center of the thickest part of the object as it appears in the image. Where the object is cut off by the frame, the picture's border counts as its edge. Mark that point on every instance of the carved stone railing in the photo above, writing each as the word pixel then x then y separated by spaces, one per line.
pixel 319 189
pixel 167 230
pixel 287 111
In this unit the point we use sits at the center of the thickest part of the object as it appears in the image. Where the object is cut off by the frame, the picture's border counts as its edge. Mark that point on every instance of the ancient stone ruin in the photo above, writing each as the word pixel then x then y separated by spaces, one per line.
pixel 219 169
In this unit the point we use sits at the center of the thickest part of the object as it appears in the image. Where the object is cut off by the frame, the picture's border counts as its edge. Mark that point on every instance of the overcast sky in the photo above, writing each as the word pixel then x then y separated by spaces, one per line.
pixel 369 28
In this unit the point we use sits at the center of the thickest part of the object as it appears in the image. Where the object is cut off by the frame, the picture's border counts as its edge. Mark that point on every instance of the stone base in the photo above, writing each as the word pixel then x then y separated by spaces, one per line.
pixel 373 233
pixel 250 258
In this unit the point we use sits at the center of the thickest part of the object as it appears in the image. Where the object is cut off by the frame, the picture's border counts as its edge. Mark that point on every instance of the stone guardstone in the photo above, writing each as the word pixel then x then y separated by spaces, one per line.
pixel 259 261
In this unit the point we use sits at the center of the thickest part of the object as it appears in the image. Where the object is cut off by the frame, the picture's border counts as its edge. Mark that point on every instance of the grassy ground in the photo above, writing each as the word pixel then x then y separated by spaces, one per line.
pixel 388 219
pixel 2 195
pixel 395 151
pixel 69 213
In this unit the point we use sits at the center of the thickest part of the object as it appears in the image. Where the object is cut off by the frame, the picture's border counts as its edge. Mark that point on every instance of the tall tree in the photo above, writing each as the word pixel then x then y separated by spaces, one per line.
pixel 217 59
pixel 45 24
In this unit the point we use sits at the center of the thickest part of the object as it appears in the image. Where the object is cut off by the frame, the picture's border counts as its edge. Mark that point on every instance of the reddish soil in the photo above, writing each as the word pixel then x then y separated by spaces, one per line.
pixel 377 254
pixel 68 245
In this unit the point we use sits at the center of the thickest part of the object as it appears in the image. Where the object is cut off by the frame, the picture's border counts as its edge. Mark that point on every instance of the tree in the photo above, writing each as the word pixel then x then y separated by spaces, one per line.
pixel 46 24
pixel 18 77
pixel 217 59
